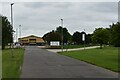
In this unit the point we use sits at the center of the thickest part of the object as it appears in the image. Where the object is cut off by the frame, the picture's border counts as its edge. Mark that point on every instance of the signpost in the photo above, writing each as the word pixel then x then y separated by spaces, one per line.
pixel 54 43
pixel 83 39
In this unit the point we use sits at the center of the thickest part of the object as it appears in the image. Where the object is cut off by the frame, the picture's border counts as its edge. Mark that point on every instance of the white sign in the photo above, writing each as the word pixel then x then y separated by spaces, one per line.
pixel 54 43
pixel 83 37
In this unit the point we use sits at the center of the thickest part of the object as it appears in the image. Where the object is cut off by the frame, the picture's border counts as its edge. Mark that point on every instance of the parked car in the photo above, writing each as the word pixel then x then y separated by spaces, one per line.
pixel 17 45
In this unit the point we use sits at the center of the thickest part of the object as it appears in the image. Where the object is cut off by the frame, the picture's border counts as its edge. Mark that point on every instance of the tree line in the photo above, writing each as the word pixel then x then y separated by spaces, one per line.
pixel 75 39
pixel 109 36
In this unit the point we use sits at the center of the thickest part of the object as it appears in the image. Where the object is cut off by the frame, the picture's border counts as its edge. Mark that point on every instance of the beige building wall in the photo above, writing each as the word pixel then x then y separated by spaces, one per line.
pixel 31 39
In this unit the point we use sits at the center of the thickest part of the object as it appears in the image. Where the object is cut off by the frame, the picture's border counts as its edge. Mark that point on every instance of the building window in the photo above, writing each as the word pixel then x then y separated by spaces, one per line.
pixel 32 40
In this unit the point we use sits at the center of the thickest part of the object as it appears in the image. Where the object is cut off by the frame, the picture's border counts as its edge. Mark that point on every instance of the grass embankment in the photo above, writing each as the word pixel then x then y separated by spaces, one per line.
pixel 106 57
pixel 11 66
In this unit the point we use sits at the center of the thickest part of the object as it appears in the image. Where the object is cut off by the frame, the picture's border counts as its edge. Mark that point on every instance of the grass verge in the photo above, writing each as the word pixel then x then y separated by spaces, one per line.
pixel 68 46
pixel 74 46
pixel 106 57
pixel 11 66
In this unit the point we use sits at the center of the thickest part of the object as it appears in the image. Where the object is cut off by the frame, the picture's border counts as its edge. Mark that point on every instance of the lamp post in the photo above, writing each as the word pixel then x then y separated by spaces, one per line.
pixel 20 33
pixel 16 34
pixel 13 32
pixel 62 33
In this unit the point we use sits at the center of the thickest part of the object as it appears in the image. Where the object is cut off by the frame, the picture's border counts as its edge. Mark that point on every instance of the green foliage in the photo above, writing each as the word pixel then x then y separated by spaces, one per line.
pixel 101 36
pixel 66 34
pixel 115 34
pixel 106 57
pixel 7 31
pixel 52 36
pixel 88 38
pixel 77 38
pixel 57 35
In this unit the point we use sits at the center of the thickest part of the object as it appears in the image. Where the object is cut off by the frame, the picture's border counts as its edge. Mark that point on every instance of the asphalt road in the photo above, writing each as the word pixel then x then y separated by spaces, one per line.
pixel 40 63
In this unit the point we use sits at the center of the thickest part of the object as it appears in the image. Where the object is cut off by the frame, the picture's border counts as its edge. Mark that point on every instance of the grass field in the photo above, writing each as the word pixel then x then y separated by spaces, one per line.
pixel 68 46
pixel 0 63
pixel 106 57
pixel 11 66
pixel 74 46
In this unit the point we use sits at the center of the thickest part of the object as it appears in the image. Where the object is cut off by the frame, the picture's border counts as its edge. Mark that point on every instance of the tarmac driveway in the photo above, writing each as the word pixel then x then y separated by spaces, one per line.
pixel 40 63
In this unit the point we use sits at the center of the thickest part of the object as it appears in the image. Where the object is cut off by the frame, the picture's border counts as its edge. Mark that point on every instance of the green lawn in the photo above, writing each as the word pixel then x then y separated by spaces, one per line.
pixel 11 66
pixel 0 63
pixel 74 46
pixel 68 46
pixel 106 57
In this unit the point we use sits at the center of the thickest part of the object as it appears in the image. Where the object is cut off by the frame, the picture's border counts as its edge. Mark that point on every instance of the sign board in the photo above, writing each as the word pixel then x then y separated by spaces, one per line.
pixel 54 43
pixel 83 37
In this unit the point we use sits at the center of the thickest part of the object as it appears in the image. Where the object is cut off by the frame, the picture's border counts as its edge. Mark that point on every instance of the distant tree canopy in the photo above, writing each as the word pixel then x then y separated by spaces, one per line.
pixel 88 38
pixel 77 38
pixel 115 34
pixel 101 36
pixel 57 35
pixel 66 34
pixel 7 31
pixel 52 36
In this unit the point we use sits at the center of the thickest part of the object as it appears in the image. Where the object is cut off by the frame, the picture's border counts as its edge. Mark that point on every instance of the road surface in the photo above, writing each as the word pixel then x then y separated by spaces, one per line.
pixel 40 63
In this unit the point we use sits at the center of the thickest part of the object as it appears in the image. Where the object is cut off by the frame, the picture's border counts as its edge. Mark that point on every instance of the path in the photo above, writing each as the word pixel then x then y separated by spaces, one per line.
pixel 74 49
pixel 40 63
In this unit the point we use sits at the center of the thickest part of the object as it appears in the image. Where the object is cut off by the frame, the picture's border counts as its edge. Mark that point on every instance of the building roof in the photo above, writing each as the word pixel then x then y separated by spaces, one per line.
pixel 30 36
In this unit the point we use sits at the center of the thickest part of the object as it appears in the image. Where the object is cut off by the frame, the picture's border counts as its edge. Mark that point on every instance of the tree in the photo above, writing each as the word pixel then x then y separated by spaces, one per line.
pixel 56 35
pixel 77 37
pixel 7 31
pixel 101 36
pixel 52 36
pixel 88 38
pixel 66 34
pixel 115 34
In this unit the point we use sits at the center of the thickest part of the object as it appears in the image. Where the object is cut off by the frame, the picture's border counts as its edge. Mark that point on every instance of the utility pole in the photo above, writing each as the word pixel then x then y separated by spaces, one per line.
pixel 13 32
pixel 62 33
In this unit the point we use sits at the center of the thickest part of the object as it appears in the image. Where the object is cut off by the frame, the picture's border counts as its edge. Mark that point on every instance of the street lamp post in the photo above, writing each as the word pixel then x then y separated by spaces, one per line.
pixel 13 32
pixel 20 33
pixel 62 33
pixel 16 34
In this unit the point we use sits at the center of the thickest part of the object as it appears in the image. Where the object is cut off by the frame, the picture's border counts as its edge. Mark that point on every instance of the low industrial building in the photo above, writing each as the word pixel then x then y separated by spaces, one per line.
pixel 31 40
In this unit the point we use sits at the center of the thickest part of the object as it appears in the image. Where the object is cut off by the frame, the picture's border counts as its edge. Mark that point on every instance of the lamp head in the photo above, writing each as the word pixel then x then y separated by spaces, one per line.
pixel 12 3
pixel 61 19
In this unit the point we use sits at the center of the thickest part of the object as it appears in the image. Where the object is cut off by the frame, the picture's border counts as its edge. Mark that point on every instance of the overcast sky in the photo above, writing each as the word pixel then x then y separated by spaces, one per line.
pixel 38 18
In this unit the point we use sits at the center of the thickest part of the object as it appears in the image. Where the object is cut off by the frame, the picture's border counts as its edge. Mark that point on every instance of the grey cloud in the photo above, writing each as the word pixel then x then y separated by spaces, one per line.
pixel 37 5
pixel 39 18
